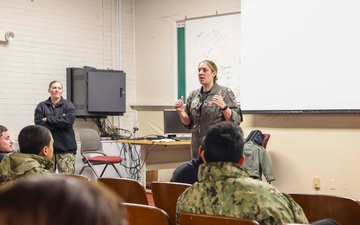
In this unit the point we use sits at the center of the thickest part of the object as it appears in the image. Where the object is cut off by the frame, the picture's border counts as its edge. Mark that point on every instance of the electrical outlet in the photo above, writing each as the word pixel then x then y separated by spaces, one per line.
pixel 316 183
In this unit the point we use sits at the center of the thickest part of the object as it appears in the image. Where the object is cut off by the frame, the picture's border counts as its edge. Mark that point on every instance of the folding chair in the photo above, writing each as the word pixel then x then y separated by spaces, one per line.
pixel 93 153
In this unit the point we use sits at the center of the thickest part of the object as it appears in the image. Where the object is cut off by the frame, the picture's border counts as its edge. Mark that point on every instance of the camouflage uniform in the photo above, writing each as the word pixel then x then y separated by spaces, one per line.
pixel 204 114
pixel 226 189
pixel 17 165
pixel 65 162
pixel 2 155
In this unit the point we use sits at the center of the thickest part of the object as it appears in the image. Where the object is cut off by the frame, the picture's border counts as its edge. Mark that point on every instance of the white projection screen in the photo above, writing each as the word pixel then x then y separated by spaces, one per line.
pixel 300 56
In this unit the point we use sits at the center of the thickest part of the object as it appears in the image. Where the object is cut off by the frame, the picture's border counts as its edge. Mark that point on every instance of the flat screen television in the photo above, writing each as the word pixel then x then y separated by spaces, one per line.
pixel 173 127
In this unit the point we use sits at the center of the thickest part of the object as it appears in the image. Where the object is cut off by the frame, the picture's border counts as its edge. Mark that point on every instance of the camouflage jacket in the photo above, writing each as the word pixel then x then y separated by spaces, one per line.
pixel 226 189
pixel 16 165
pixel 204 114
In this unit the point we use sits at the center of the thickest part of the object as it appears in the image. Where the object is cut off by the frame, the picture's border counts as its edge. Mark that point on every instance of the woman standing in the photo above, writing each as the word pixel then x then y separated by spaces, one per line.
pixel 207 105
pixel 58 115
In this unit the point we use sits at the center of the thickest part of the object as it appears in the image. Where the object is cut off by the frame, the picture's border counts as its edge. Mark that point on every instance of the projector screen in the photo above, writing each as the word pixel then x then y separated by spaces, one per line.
pixel 300 56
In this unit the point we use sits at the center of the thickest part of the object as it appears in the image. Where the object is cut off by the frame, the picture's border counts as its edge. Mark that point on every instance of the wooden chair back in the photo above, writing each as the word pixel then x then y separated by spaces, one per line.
pixel 138 214
pixel 166 194
pixel 344 210
pixel 75 176
pixel 129 190
pixel 200 219
pixel 266 140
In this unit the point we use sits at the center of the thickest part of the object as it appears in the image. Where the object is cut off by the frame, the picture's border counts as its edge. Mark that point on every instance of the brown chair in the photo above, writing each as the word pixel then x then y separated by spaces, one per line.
pixel 166 194
pixel 138 214
pixel 265 140
pixel 344 210
pixel 76 176
pixel 93 153
pixel 258 137
pixel 201 219
pixel 129 190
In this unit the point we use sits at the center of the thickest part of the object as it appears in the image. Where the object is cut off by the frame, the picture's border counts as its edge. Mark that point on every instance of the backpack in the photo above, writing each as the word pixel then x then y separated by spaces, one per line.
pixel 255 136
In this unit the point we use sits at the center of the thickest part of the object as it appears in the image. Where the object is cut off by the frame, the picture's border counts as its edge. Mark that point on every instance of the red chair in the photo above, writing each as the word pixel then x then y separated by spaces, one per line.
pixel 265 140
pixel 93 153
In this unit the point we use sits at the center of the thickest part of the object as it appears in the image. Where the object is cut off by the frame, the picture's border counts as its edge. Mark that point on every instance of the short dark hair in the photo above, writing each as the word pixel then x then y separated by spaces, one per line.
pixel 33 138
pixel 224 142
pixel 2 130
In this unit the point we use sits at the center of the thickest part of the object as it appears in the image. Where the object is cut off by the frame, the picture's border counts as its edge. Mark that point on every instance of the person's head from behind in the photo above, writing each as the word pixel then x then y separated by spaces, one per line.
pixel 5 141
pixel 57 200
pixel 36 139
pixel 207 72
pixel 224 142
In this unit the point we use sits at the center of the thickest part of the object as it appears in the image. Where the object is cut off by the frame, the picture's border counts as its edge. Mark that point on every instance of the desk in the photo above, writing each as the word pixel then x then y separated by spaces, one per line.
pixel 160 155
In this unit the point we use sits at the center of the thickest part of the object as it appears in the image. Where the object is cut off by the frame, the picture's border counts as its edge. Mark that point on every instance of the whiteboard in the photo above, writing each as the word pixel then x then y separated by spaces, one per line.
pixel 217 39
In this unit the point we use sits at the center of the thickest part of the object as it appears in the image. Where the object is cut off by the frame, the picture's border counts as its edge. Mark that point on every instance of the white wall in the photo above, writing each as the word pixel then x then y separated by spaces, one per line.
pixel 301 147
pixel 53 35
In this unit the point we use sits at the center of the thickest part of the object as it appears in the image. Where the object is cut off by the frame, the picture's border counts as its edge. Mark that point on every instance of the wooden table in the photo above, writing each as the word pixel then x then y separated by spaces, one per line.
pixel 160 155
